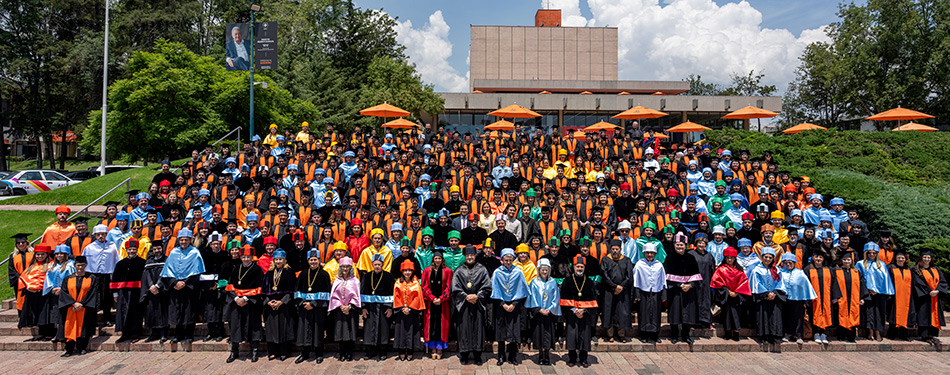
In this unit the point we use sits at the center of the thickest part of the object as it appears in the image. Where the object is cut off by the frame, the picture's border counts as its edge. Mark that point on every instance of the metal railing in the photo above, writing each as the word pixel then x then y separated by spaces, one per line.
pixel 237 130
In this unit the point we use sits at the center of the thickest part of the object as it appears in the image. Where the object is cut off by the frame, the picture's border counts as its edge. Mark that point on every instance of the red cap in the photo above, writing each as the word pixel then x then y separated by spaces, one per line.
pixel 673 193
pixel 703 217
pixel 356 221
pixel 579 259
pixel 270 240
pixel 62 209
pixel 43 248
pixel 472 216
pixel 247 250
pixel 748 216
pixel 164 183
pixel 133 242
pixel 298 236
pixel 625 186
pixel 789 188
pixel 730 252
pixel 217 209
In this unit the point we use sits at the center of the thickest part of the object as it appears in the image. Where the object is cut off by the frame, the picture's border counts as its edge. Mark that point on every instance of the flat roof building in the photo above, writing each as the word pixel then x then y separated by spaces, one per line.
pixel 569 75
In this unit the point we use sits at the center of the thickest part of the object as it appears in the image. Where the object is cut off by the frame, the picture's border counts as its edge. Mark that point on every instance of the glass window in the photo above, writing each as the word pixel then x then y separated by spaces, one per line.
pixel 31 176
pixel 53 176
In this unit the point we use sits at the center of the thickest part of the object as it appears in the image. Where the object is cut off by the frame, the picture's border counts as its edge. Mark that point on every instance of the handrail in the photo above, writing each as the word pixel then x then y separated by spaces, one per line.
pixel 86 208
pixel 237 129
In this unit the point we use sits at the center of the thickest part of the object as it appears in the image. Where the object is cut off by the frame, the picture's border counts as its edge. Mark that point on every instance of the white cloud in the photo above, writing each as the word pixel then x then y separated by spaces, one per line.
pixel 683 37
pixel 570 11
pixel 429 48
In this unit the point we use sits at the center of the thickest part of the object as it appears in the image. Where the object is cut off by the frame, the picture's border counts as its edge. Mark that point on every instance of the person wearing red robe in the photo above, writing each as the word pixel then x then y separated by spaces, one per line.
pixel 436 286
pixel 732 291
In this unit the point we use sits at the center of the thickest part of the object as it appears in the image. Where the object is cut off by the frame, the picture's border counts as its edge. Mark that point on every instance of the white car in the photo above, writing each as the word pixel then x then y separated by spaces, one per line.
pixel 33 181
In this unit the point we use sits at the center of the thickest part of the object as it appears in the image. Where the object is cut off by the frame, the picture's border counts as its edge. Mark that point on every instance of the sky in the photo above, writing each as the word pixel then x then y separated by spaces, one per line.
pixel 659 39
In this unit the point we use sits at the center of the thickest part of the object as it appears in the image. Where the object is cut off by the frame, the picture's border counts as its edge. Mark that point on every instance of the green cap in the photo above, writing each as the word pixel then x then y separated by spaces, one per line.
pixel 427 231
pixel 564 232
pixel 455 234
pixel 554 242
pixel 405 242
pixel 650 225
pixel 585 241
pixel 531 193
pixel 720 183
pixel 669 229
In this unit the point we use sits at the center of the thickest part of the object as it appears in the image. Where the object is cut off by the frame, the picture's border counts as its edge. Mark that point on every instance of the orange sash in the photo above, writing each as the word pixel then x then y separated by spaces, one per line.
pixel 849 311
pixel 408 295
pixel 821 307
pixel 933 279
pixel 74 318
pixel 19 264
pixel 902 290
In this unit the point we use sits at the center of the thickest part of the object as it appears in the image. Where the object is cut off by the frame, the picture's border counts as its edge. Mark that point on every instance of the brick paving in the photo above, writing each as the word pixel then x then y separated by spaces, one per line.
pixel 207 363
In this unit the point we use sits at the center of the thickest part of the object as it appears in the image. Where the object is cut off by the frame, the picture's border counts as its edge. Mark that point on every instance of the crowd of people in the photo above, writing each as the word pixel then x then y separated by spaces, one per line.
pixel 414 240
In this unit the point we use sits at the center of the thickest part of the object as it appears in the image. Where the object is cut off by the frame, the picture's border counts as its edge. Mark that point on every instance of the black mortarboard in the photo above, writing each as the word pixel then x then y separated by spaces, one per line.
pixel 133 192
pixel 151 211
pixel 81 220
pixel 111 204
pixel 470 250
pixel 20 236
pixel 886 232
pixel 81 259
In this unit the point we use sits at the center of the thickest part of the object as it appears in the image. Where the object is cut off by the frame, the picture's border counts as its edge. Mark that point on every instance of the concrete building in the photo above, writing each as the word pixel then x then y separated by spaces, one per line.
pixel 569 75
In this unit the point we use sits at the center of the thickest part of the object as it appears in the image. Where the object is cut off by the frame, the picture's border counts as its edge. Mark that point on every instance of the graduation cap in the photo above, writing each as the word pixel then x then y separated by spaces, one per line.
pixel 886 232
pixel 20 237
pixel 111 204
pixel 151 211
pixel 809 226
pixel 133 192
pixel 81 220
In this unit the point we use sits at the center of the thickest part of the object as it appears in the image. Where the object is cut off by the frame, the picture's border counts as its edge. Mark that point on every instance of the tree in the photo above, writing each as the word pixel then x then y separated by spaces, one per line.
pixel 698 87
pixel 748 85
pixel 395 81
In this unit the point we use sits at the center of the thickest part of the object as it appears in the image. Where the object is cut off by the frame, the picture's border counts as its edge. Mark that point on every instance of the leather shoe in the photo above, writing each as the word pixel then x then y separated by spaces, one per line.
pixel 67 354
pixel 253 355
pixel 232 357
pixel 500 361
pixel 83 352
pixel 300 359
pixel 174 340
pixel 319 359
pixel 585 364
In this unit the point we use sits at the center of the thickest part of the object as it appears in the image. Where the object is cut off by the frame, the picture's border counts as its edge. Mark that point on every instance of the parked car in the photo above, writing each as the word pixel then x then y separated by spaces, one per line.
pixel 32 181
pixel 113 168
pixel 82 175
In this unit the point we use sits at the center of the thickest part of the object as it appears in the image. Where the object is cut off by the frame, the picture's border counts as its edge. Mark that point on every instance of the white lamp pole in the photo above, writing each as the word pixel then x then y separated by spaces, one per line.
pixel 105 91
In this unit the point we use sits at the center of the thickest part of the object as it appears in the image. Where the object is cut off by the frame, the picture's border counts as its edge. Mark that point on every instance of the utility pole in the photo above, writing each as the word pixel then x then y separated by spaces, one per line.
pixel 105 92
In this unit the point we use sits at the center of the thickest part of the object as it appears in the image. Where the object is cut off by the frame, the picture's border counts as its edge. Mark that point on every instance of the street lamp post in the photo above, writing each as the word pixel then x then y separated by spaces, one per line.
pixel 105 91
pixel 254 8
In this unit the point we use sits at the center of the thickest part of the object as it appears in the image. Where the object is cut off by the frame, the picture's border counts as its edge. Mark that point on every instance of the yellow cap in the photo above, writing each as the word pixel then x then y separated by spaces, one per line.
pixel 778 215
pixel 376 231
pixel 305 124
pixel 273 126
pixel 454 189
pixel 521 248
pixel 339 245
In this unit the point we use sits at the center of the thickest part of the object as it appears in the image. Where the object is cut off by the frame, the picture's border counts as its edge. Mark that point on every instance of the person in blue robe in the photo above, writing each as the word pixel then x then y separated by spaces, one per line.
pixel 798 292
pixel 543 302
pixel 768 298
pixel 180 278
pixel 877 278
pixel 509 291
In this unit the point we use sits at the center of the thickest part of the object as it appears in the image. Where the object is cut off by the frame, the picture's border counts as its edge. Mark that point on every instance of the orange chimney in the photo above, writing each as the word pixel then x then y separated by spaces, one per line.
pixel 547 18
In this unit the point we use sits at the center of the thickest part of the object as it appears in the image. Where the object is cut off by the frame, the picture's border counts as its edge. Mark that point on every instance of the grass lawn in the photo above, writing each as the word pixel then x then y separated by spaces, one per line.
pixel 71 164
pixel 86 191
pixel 13 222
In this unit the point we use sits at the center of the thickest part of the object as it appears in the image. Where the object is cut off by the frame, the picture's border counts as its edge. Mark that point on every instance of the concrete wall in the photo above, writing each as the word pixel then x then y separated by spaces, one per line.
pixel 616 103
pixel 545 53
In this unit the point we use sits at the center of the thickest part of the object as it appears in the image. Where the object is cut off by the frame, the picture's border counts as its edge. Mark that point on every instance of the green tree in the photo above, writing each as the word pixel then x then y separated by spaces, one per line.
pixel 748 85
pixel 698 87
pixel 395 81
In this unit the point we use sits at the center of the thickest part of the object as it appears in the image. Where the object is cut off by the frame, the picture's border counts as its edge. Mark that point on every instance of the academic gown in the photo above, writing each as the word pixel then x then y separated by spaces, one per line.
pixel 279 285
pixel 825 284
pixel 543 295
pixel 406 328
pixel 649 283
pixel 900 309
pixel 929 308
pixel 245 321
pixel 768 313
pixel 508 287
pixel 376 294
pixel 182 266
pixel 155 306
pixel 471 279
pixel 54 278
pixel 850 291
pixel 798 291
pixel 437 283
pixel 578 292
pixel 82 289
pixel 706 263
pixel 877 279
pixel 730 279
pixel 313 288
pixel 616 307
pixel 212 297
pixel 345 292
pixel 33 301
pixel 127 283
pixel 683 306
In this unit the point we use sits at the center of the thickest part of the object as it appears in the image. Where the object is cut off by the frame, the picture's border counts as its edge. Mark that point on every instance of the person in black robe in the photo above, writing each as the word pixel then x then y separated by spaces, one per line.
pixel 244 304
pixel 929 286
pixel 180 277
pixel 732 291
pixel 78 300
pixel 509 291
pixel 706 263
pixel 153 297
pixel 224 273
pixel 560 261
pixel 767 300
pixel 126 288
pixel 407 253
pixel 617 281
pixel 901 313
pixel 278 290
pixel 579 306
pixel 344 300
pixel 850 295
pixel 502 238
pixel 682 280
pixel 312 298
pixel 487 257
pixel 376 295
pixel 212 297
pixel 471 288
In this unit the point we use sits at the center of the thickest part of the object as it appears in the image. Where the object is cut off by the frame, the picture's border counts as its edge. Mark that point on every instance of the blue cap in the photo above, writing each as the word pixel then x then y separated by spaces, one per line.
pixel 313 253
pixel 230 160
pixel 507 251
pixel 245 168
pixel 767 250
pixel 789 256
pixel 871 246
pixel 252 217
pixel 425 177
pixel 280 138
pixel 444 212
pixel 796 212
pixel 816 196
pixel 255 138
pixel 693 162
pixel 736 197
pixel 837 200
pixel 142 195
pixel 62 248
pixel 349 154
pixel 280 253
pixel 292 166
pixel 728 173
pixel 319 171
pixel 745 242
pixel 824 217
pixel 426 146
pixel 122 216
pixel 389 135
pixel 707 169
pixel 282 192
pixel 726 152
pixel 395 227
pixel 185 233
pixel 328 180
pixel 204 192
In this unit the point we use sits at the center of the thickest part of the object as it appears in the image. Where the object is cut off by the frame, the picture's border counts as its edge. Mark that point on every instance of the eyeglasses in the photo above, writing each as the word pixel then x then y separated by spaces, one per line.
pixel 21 242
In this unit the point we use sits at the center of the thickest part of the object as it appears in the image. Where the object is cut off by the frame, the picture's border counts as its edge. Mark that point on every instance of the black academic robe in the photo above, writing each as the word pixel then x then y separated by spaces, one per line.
pixel 847 282
pixel 579 292
pixel 79 324
pixel 825 284
pixel 279 286
pixel 683 305
pixel 127 285
pixel 491 263
pixel 212 297
pixel 616 307
pixel 649 308
pixel 731 308
pixel 376 294
pixel 503 240
pixel 224 273
pixel 707 265
pixel 929 314
pixel 245 321
pixel 769 313
pixel 313 288
pixel 155 306
pixel 397 263
pixel 560 265
pixel 182 304
pixel 471 279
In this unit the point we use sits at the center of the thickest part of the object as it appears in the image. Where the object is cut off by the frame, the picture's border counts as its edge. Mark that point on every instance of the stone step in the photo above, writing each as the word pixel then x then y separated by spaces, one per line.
pixel 108 343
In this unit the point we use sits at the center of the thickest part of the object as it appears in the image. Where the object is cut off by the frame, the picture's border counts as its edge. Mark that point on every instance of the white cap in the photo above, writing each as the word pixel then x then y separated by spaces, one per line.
pixel 100 229
pixel 719 229
pixel 649 248
pixel 623 225
pixel 648 151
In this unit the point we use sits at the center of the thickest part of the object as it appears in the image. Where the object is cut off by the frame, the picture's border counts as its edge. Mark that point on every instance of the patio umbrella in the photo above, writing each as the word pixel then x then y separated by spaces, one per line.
pixel 686 127
pixel 501 125
pixel 586 93
pixel 579 135
pixel 400 123
pixel 514 111
pixel 601 126
pixel 802 127
pixel 545 92
pixel 750 112
pixel 385 110
pixel 898 114
pixel 656 135
pixel 623 93
pixel 913 126
pixel 495 135
pixel 639 113
pixel 658 93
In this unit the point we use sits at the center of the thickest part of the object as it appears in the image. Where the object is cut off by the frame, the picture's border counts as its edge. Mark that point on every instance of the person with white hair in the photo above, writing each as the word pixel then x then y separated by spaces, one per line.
pixel 102 256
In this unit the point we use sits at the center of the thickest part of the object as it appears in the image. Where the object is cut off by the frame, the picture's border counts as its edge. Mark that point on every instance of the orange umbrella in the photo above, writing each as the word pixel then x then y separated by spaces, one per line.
pixel 514 111
pixel 495 135
pixel 686 127
pixel 638 113
pixel 477 92
pixel 623 93
pixel 579 135
pixel 657 135
pixel 385 110
pixel 601 126
pixel 913 126
pixel 400 123
pixel 802 127
pixel 658 93
pixel 545 92
pixel 586 93
pixel 500 125
pixel 899 114
pixel 750 112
